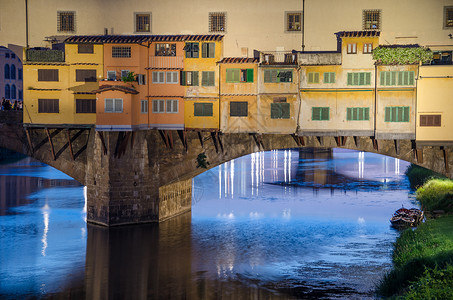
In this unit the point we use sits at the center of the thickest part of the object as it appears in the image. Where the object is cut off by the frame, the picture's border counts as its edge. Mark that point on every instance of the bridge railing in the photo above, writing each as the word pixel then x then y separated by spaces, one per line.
pixel 11 116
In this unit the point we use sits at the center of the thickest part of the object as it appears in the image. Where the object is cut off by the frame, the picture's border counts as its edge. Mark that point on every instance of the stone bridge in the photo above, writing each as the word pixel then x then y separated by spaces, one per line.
pixel 146 176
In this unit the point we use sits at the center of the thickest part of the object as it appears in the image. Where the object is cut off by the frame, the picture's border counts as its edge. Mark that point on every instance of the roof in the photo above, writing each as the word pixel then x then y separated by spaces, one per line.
pixel 365 33
pixel 121 88
pixel 400 46
pixel 136 39
pixel 239 60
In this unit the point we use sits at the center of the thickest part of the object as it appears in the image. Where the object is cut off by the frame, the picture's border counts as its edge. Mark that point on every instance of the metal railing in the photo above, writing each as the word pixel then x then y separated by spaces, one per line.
pixel 278 58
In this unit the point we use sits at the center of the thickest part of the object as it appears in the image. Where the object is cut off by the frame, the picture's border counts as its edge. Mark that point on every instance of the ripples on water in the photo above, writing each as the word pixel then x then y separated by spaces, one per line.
pixel 279 224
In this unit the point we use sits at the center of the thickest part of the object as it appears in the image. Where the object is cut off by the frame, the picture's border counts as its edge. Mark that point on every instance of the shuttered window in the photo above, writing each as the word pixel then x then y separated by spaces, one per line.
pixel 202 109
pixel 238 109
pixel 86 106
pixel 113 105
pixel 239 75
pixel 47 74
pixel 430 120
pixel 280 110
pixel 189 78
pixel 313 77
pixel 86 75
pixel 208 50
pixel 158 77
pixel 192 50
pixel 329 77
pixel 208 78
pixel 389 78
pixel 144 106
pixel 278 76
pixel 158 106
pixel 172 77
pixel 171 106
pixel 359 78
pixel 85 48
pixel 397 114
pixel 320 113
pixel 358 113
pixel 48 106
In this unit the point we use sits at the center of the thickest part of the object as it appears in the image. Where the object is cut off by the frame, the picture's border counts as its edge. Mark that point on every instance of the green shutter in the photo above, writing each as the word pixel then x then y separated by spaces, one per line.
pixel 249 75
pixel 406 114
pixel 267 76
pixel 274 76
pixel 315 113
pixel 208 109
pixel 387 78
pixel 350 79
pixel 382 75
pixel 366 113
pixel 204 78
pixel 229 75
pixel 198 109
pixel 211 49
pixel 195 78
pixel 236 75
pixel 387 114
pixel 275 111
pixel 316 77
pixel 310 77
pixel 411 75
pixel 324 113
pixel 211 81
pixel 183 78
pixel 394 115
pixel 367 78
pixel 349 114
pixel 285 109
pixel 204 50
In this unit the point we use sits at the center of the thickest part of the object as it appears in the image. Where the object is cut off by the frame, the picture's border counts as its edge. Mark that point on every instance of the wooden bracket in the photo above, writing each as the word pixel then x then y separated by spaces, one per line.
pixel 258 140
pixel 220 141
pixel 343 140
pixel 101 137
pixel 338 141
pixel 70 144
pixel 397 146
pixel 214 140
pixel 320 140
pixel 183 137
pixel 51 144
pixel 200 138
pixel 167 138
pixel 375 143
pixel 447 167
pixel 30 144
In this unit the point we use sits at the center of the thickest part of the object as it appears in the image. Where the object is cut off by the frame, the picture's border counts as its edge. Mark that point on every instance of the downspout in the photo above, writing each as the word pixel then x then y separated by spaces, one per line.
pixel 26 23
pixel 303 25
pixel 147 82
pixel 298 70
pixel 375 98
pixel 219 96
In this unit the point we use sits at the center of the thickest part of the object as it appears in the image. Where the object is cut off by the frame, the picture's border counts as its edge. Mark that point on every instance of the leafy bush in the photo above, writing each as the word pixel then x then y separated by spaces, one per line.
pixel 436 194
pixel 418 175
pixel 402 55
pixel 435 283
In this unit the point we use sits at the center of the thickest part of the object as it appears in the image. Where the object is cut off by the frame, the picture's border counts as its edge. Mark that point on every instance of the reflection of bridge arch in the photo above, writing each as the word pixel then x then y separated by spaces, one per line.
pixel 145 176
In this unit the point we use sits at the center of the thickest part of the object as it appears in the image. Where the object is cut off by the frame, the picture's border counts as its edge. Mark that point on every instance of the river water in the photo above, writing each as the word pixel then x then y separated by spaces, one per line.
pixel 287 224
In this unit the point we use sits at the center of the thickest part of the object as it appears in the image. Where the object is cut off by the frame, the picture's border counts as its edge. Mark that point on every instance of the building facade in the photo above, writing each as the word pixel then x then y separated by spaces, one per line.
pixel 11 76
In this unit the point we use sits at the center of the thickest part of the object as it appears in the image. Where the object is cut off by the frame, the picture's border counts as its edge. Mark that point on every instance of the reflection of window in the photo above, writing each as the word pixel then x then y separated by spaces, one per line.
pixel 86 75
pixel 208 78
pixel 189 78
pixel 371 19
pixel 430 120
pixel 352 48
pixel 238 109
pixel 85 48
pixel 217 22
pixel 320 113
pixel 47 75
pixel 165 49
pixel 367 48
pixel 358 113
pixel 121 52
pixel 448 17
pixel 66 21
pixel 397 114
pixel 86 106
pixel 142 22
pixel 313 77
pixel 144 106
pixel 239 75
pixel 202 109
pixel 113 105
pixel 293 21
pixel 48 106
pixel 192 50
pixel 208 50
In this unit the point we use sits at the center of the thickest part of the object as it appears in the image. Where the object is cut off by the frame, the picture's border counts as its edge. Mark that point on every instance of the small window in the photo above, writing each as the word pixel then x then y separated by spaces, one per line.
pixel 329 77
pixel 293 21
pixel 158 106
pixel 358 113
pixel 7 91
pixel 6 55
pixel 397 114
pixel 352 48
pixel 238 109
pixel 141 79
pixel 367 48
pixel 393 78
pixel 85 106
pixel 47 74
pixel 171 106
pixel 13 72
pixel 202 109
pixel 430 120
pixel 448 17
pixel 111 75
pixel 217 22
pixel 13 55
pixel 85 48
pixel 86 75
pixel 320 113
pixel 208 50
pixel 13 91
pixel 66 21
pixel 313 77
pixel 208 78
pixel 144 106
pixel 113 105
pixel 158 77
pixel 172 77
pixel 124 52
pixel 124 73
pixel 189 78
pixel 7 73
pixel 165 49
pixel 142 22
pixel 280 109
pixel 359 78
pixel 371 19
pixel 192 50
pixel 48 106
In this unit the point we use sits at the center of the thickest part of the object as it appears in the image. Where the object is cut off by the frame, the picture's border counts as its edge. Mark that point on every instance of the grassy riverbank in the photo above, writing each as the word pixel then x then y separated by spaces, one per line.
pixel 423 258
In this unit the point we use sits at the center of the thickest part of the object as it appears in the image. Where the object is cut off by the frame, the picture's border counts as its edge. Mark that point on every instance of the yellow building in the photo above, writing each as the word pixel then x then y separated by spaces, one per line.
pixel 58 85
pixel 434 105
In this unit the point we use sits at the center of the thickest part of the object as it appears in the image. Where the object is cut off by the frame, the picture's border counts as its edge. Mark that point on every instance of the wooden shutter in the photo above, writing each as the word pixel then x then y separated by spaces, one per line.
pixel 211 80
pixel 207 108
pixel 85 48
pixel 411 75
pixel 368 78
pixel 315 113
pixel 366 113
pixel 249 75
pixel 108 105
pixel 276 112
pixel 183 77
pixel 349 114
pixel 350 78
pixel 229 75
pixel 405 114
pixel 267 76
pixel 324 113
pixel 86 75
pixel 430 120
pixel 285 108
pixel 47 74
pixel 204 50
pixel 211 50
pixel 194 78
pixel 198 109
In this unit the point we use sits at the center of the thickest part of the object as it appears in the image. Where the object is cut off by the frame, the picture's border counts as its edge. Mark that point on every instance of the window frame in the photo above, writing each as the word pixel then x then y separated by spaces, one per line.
pixel 114 105
pixel 280 110
pixel 158 108
pixel 366 19
pixel 446 24
pixel 121 52
pixel 297 26
pixel 403 110
pixel 137 16
pixel 216 25
pixel 237 109
pixel 312 77
pixel 164 50
pixel 352 75
pixel 192 49
pixel 208 78
pixel 85 48
pixel 174 77
pixel 174 106
pixel 351 48
pixel 114 75
pixel 81 104
pixel 328 79
pixel 144 108
pixel 55 77
pixel 192 80
pixel 357 114
pixel 156 77
pixel 430 120
pixel 208 50
pixel 367 48
pixel 62 25
pixel 44 103
pixel 207 109
pixel 397 78
pixel 322 111
pixel 86 78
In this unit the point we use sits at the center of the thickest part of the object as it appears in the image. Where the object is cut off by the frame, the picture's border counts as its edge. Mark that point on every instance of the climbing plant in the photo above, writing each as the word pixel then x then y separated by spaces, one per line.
pixel 201 161
pixel 129 78
pixel 394 55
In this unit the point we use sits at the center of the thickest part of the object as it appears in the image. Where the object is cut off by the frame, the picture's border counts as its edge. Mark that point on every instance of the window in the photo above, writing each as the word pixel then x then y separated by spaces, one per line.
pixel 320 113
pixel 86 75
pixel 238 109
pixel 389 78
pixel 113 105
pixel 158 77
pixel 13 91
pixel 6 55
pixel 7 91
pixel 48 106
pixel 85 106
pixel 280 109
pixel 158 106
pixel 208 78
pixel 359 78
pixel 85 48
pixel 293 21
pixel 430 120
pixel 172 77
pixel 124 73
pixel 278 76
pixel 142 22
pixel 165 50
pixel 358 113
pixel 352 48
pixel 448 17
pixel 371 19
pixel 19 74
pixel 7 74
pixel 239 75
pixel 20 95
pixel 202 109
pixel 329 77
pixel 397 114
pixel 47 74
pixel 13 55
pixel 141 79
pixel 111 75
pixel 13 72
pixel 217 22
pixel 66 21
pixel 144 106
pixel 189 78
pixel 124 52
pixel 313 77
pixel 192 50
pixel 367 48
pixel 171 106
pixel 208 50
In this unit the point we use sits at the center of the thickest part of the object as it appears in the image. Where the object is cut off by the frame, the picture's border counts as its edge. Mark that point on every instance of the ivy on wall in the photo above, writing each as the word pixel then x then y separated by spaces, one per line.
pixel 401 55
pixel 45 55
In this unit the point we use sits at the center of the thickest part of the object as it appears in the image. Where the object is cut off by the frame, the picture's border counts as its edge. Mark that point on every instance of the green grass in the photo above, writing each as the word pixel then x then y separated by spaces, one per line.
pixel 418 175
pixel 436 194
pixel 435 283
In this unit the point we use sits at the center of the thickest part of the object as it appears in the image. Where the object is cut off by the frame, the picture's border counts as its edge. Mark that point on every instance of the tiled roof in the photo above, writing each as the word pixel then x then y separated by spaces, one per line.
pixel 120 88
pixel 367 33
pixel 239 60
pixel 132 39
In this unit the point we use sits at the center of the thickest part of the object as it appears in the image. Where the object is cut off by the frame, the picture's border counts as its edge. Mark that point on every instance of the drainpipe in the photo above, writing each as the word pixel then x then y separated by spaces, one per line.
pixel 303 25
pixel 26 22
pixel 147 83
pixel 375 98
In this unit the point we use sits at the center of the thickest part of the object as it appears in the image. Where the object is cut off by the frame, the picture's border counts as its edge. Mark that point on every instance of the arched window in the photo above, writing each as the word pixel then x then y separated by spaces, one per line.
pixel 6 71
pixel 13 91
pixel 13 72
pixel 7 92
pixel 20 94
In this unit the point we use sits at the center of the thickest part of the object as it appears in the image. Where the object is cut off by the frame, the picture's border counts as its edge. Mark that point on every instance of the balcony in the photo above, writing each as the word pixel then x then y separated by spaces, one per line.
pixel 44 55
pixel 320 58
pixel 278 58
pixel 166 62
